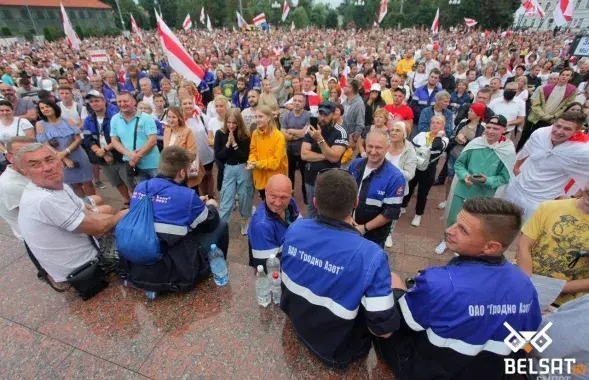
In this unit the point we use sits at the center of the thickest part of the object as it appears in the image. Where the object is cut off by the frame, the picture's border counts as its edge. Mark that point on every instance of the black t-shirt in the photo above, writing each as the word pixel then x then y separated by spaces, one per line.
pixel 334 135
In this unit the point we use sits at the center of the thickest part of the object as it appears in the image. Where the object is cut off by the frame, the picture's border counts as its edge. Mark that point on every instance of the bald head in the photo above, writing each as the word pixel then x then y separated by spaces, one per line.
pixel 279 182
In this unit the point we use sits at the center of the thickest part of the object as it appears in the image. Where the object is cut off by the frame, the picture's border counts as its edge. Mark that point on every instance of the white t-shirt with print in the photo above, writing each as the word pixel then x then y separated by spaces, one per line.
pixel 47 221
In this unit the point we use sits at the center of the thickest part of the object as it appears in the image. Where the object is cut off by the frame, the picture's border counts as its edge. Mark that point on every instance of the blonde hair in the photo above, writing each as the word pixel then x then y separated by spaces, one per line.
pixel 403 126
pixel 268 112
pixel 222 99
pixel 442 118
pixel 242 131
pixel 381 112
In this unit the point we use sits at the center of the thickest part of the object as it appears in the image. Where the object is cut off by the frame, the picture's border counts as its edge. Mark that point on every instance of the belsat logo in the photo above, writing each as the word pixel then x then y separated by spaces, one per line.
pixel 542 368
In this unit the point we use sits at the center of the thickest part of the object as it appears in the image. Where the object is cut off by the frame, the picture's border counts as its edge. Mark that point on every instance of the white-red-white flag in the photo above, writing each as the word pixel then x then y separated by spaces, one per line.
pixel 260 19
pixel 241 21
pixel 135 28
pixel 384 4
pixel 209 25
pixel 530 8
pixel 470 22
pixel 436 23
pixel 292 26
pixel 71 36
pixel 178 57
pixel 563 13
pixel 285 10
pixel 187 24
pixel 202 15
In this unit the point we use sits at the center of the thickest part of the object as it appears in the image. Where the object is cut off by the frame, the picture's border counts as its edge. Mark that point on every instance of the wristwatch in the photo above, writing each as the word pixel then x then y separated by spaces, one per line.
pixel 68 150
pixel 321 142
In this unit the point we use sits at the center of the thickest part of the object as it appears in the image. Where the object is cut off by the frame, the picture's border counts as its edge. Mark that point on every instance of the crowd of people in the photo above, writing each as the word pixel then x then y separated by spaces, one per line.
pixel 368 119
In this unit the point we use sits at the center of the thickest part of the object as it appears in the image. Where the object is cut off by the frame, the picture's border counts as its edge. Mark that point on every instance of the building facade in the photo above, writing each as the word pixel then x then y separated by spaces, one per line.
pixel 21 16
pixel 579 23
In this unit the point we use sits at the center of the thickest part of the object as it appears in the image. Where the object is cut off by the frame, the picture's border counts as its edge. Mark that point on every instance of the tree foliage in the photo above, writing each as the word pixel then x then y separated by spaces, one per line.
pixel 300 17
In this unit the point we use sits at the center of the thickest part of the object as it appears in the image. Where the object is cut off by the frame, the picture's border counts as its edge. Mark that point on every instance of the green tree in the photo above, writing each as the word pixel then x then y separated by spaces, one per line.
pixel 6 31
pixel 318 15
pixel 489 14
pixel 300 17
pixel 128 7
pixel 79 32
pixel 331 19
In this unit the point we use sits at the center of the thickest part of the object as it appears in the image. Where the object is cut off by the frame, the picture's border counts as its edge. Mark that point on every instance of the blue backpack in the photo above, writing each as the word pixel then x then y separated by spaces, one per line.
pixel 135 234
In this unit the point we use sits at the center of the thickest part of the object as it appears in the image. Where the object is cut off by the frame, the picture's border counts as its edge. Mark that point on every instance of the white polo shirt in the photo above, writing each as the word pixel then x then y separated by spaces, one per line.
pixel 12 185
pixel 510 110
pixel 47 221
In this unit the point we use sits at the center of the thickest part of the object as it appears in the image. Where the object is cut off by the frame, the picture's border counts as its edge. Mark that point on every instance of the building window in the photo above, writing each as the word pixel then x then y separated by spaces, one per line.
pixel 578 4
pixel 587 5
pixel 579 22
pixel 24 14
pixel 533 22
pixel 547 7
pixel 40 15
pixel 7 14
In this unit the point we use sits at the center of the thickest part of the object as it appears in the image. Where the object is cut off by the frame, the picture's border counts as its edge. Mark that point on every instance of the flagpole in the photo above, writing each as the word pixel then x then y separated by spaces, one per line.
pixel 31 17
pixel 240 8
pixel 400 13
pixel 121 15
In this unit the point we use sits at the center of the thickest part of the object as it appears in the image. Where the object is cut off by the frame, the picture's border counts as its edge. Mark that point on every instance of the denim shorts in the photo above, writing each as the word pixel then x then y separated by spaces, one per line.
pixel 451 161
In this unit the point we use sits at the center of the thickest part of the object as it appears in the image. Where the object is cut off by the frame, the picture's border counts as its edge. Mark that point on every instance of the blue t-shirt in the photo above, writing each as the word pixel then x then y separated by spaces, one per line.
pixel 125 132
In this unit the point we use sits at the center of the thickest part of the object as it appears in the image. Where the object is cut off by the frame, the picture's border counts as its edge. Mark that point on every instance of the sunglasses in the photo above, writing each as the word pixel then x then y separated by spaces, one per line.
pixel 576 256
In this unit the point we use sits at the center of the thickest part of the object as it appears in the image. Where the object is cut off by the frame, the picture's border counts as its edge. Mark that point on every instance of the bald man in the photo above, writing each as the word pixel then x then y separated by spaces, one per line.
pixel 270 221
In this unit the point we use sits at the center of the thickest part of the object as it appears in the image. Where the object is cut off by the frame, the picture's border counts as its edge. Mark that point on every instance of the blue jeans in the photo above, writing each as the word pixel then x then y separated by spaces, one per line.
pixel 219 236
pixel 451 161
pixel 236 179
pixel 145 174
pixel 311 210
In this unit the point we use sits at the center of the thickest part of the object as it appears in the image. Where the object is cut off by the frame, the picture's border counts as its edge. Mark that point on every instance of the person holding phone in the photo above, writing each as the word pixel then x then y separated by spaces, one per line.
pixel 323 147
pixel 482 169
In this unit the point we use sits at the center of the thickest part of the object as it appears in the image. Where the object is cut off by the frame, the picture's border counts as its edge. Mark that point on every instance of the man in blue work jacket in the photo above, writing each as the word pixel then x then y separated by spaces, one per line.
pixel 271 220
pixel 454 318
pixel 382 187
pixel 336 287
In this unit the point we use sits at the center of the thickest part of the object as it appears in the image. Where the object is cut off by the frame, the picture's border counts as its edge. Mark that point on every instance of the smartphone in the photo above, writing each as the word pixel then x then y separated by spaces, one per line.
pixel 314 121
pixel 477 176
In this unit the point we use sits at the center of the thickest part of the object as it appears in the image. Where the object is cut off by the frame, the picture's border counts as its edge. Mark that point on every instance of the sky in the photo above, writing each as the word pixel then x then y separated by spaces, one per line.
pixel 333 3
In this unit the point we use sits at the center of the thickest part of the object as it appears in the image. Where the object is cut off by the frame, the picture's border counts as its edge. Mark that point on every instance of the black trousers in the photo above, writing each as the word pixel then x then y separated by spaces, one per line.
pixel 296 163
pixel 444 172
pixel 424 180
pixel 529 128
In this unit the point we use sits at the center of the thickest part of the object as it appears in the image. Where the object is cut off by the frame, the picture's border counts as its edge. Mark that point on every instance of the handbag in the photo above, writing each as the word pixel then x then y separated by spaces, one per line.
pixel 133 171
pixel 88 280
pixel 194 169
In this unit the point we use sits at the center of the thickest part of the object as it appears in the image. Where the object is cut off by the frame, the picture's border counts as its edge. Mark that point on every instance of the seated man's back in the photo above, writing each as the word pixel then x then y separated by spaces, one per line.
pixel 337 285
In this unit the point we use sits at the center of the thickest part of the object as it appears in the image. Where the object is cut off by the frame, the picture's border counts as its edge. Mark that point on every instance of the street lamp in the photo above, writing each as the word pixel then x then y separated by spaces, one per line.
pixel 454 2
pixel 359 3
pixel 275 7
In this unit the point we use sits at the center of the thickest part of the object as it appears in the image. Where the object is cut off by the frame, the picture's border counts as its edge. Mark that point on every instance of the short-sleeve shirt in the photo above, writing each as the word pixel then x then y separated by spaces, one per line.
pixel 404 112
pixel 23 106
pixel 125 132
pixel 510 110
pixel 47 221
pixel 12 185
pixel 333 136
pixel 559 228
pixel 291 121
pixel 17 128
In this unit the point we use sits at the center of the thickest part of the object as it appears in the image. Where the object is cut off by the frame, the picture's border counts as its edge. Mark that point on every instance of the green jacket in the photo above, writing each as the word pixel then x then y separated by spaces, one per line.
pixel 480 161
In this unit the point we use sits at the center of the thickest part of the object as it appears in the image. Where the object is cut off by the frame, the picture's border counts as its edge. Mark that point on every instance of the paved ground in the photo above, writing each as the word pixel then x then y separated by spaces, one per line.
pixel 207 333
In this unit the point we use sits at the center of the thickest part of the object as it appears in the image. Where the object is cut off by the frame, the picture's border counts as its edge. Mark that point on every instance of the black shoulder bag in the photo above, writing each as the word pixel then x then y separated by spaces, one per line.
pixel 133 171
pixel 90 278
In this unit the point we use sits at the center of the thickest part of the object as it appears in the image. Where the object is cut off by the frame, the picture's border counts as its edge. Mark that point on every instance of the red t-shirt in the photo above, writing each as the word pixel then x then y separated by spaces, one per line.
pixel 404 112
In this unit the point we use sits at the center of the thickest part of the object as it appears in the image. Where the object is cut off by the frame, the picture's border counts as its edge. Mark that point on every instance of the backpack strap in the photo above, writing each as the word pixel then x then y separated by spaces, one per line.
pixel 135 134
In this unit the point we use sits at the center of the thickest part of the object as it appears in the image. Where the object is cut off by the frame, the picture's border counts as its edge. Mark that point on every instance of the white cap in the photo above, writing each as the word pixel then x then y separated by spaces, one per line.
pixel 47 84
pixel 375 87
pixel 260 268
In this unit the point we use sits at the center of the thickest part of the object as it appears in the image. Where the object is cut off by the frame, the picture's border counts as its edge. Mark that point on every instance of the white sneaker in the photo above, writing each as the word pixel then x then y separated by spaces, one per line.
pixel 442 205
pixel 416 221
pixel 440 248
pixel 455 254
pixel 403 210
pixel 389 242
pixel 244 227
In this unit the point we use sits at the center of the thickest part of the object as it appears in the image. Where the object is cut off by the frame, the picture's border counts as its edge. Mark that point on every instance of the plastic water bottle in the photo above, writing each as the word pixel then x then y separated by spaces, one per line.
pixel 275 288
pixel 263 288
pixel 272 265
pixel 218 266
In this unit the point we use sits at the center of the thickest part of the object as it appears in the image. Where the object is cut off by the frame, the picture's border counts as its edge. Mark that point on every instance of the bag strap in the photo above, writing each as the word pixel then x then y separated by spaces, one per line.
pixel 135 134
pixel 18 126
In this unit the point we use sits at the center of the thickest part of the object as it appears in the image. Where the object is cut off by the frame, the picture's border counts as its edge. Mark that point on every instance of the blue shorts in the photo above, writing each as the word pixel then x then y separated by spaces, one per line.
pixel 451 161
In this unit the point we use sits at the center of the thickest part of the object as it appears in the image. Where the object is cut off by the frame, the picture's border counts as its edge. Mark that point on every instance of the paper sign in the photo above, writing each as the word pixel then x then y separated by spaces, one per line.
pixel 98 56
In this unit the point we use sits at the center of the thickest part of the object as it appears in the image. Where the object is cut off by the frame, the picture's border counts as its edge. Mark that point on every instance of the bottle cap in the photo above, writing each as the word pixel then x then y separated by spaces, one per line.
pixel 275 275
pixel 213 247
pixel 260 268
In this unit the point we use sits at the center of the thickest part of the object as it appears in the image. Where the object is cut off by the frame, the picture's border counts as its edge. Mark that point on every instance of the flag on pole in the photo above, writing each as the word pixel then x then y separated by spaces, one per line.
pixel 383 10
pixel 209 26
pixel 178 57
pixel 72 38
pixel 292 27
pixel 470 22
pixel 135 28
pixel 563 13
pixel 241 22
pixel 187 24
pixel 285 10
pixel 436 23
pixel 530 8
pixel 202 15
pixel 260 19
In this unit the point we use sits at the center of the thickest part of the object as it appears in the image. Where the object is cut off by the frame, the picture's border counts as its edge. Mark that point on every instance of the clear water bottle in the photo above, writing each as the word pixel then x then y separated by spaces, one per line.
pixel 275 288
pixel 218 266
pixel 272 265
pixel 263 285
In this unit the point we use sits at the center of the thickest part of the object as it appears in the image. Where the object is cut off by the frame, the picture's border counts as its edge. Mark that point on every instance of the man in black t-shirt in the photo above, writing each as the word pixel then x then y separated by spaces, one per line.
pixel 322 148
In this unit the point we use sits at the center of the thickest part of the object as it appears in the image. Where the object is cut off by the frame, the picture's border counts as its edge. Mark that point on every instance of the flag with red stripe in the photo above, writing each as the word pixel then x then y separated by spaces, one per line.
pixel 135 28
pixel 260 19
pixel 71 36
pixel 384 4
pixel 470 22
pixel 563 13
pixel 285 10
pixel 187 24
pixel 436 23
pixel 178 57
pixel 202 15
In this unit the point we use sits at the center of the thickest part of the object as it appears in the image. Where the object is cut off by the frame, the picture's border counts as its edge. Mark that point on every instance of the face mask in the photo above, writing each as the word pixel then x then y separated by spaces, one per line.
pixel 287 83
pixel 509 94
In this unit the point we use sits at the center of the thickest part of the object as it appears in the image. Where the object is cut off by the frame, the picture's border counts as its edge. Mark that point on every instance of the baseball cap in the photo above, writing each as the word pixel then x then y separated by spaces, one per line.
pixel 327 107
pixel 94 94
pixel 499 120
pixel 375 87
pixel 47 84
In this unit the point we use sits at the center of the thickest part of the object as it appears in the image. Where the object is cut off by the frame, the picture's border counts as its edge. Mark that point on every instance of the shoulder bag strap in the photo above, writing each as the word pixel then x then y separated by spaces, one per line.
pixel 18 126
pixel 135 134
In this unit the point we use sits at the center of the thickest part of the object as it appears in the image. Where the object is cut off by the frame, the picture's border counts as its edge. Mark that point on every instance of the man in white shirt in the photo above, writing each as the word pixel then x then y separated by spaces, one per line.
pixel 249 114
pixel 70 109
pixel 511 107
pixel 55 223
pixel 553 158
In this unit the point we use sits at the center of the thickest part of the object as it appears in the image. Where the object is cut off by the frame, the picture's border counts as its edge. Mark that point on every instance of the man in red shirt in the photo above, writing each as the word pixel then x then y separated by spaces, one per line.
pixel 400 111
